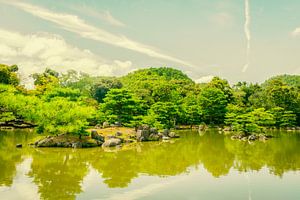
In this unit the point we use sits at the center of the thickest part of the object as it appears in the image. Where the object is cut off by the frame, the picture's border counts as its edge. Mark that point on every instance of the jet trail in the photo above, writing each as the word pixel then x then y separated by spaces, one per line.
pixel 247 33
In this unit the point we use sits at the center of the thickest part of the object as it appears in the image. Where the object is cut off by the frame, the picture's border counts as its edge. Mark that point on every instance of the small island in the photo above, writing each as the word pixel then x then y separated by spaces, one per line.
pixel 77 110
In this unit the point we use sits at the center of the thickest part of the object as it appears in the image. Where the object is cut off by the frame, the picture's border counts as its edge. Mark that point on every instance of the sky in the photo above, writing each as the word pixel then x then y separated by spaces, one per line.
pixel 239 40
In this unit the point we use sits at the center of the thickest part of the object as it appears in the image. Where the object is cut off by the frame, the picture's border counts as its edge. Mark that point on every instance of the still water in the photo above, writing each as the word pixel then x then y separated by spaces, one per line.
pixel 207 166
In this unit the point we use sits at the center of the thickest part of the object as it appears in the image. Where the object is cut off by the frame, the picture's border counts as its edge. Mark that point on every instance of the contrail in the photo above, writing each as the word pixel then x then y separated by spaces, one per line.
pixel 247 33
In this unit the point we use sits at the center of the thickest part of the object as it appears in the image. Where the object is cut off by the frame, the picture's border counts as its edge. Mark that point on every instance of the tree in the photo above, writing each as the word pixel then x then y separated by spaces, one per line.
pixel 191 110
pixel 164 114
pixel 213 104
pixel 63 116
pixel 102 86
pixel 283 118
pixel 120 106
pixel 8 75
pixel 250 122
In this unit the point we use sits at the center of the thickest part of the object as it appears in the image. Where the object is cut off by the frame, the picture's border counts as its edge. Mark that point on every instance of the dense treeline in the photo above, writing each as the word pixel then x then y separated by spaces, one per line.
pixel 159 97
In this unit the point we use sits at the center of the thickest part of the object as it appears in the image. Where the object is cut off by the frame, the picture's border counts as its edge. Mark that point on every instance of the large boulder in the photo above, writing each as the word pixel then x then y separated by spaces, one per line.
pixel 112 142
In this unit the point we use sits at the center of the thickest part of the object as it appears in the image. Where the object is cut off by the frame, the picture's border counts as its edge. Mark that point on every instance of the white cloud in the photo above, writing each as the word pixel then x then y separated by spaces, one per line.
pixel 34 52
pixel 76 25
pixel 105 16
pixel 204 79
pixel 296 32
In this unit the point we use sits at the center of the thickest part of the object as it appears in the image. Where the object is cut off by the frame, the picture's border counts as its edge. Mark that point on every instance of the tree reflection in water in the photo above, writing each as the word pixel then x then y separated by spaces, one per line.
pixel 59 173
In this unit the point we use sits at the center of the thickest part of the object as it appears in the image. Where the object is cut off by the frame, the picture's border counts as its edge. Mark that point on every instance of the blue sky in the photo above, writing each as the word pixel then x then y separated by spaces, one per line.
pixel 203 38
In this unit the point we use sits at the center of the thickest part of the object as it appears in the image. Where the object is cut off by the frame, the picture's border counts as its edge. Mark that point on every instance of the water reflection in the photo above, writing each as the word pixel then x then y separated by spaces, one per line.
pixel 59 173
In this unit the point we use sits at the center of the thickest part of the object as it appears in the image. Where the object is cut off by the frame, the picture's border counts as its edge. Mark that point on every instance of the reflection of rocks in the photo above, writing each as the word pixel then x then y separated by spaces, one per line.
pixel 19 145
pixel 252 137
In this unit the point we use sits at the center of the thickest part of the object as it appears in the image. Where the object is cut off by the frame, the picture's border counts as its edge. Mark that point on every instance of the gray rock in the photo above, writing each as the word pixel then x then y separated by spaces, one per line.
pixel 165 138
pixel 166 132
pixel 142 135
pixel 227 129
pixel 105 125
pixel 173 135
pixel 252 137
pixel 96 136
pixel 77 145
pixel 112 142
pixel 153 131
pixel 202 127
pixel 153 137
pixel 118 133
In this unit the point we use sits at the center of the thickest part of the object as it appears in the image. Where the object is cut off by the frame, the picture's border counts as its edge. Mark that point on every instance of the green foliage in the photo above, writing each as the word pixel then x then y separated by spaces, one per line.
pixel 102 86
pixel 120 106
pixel 160 97
pixel 162 114
pixel 213 104
pixel 63 116
pixel 67 93
pixel 158 84
pixel 253 121
pixel 8 74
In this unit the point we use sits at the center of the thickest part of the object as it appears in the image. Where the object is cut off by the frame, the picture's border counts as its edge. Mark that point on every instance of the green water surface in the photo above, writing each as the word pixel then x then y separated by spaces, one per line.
pixel 196 166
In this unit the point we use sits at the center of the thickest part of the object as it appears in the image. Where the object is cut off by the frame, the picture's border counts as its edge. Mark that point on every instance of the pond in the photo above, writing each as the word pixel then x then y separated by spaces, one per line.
pixel 196 166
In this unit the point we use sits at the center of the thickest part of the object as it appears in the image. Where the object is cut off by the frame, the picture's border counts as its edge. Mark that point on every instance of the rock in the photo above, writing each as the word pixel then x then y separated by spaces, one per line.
pixel 202 127
pixel 165 138
pixel 142 135
pixel 98 126
pixel 118 124
pixel 144 127
pixel 227 129
pixel 128 141
pixel 244 138
pixel 77 145
pixel 154 137
pixel 252 137
pixel 173 135
pixel 118 133
pixel 105 125
pixel 89 144
pixel 153 131
pixel 112 142
pixel 46 142
pixel 166 132
pixel 96 136
pixel 19 145
pixel 111 136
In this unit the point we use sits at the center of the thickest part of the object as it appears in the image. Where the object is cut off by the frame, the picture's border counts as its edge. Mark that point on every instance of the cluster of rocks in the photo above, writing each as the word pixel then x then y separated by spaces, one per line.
pixel 67 141
pixel 252 137
pixel 145 133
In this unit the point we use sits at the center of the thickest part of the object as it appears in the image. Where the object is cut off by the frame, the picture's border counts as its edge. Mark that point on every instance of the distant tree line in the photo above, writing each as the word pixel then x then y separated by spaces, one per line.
pixel 160 97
